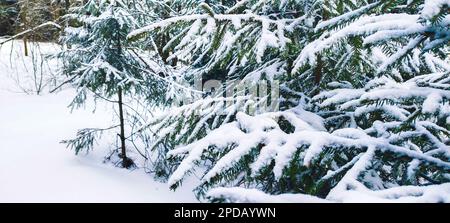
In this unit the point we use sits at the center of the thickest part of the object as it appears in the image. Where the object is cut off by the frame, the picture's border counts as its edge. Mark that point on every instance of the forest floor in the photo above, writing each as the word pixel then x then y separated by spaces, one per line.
pixel 36 167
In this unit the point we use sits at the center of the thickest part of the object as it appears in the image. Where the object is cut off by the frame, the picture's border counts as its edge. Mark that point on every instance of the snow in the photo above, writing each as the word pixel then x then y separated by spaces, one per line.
pixel 347 16
pixel 398 113
pixel 350 178
pixel 379 28
pixel 433 7
pixel 243 195
pixel 431 104
pixel 191 42
pixel 368 25
pixel 196 150
pixel 165 23
pixel 405 194
pixel 270 70
pixel 35 167
pixel 249 131
pixel 268 39
pixel 395 102
pixel 13 66
pixel 399 54
pixel 311 139
pixel 339 95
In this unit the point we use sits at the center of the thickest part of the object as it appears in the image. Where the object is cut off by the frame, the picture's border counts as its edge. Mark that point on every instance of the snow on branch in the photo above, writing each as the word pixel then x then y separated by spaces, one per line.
pixel 376 29
pixel 234 18
pixel 363 26
pixel 402 52
pixel 30 31
pixel 404 194
pixel 400 194
pixel 248 133
pixel 165 23
pixel 433 7
pixel 347 16
pixel 243 195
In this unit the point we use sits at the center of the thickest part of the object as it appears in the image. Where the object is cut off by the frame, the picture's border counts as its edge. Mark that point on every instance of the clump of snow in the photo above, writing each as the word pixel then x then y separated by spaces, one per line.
pixel 243 195
pixel 346 16
pixel 405 194
pixel 433 7
pixel 432 103
pixel 268 39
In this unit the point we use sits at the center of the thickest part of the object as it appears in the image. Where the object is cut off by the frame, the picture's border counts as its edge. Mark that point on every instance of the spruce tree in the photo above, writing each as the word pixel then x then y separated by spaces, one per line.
pixel 100 62
pixel 364 101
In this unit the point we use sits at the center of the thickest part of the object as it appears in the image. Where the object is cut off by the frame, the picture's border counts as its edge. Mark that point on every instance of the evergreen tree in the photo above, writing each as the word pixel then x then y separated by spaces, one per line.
pixel 339 133
pixel 100 62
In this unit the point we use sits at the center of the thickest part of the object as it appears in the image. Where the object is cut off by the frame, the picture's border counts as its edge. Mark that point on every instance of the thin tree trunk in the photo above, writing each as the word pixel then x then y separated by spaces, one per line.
pixel 25 45
pixel 318 70
pixel 67 5
pixel 125 162
pixel 23 16
pixel 66 22
pixel 66 11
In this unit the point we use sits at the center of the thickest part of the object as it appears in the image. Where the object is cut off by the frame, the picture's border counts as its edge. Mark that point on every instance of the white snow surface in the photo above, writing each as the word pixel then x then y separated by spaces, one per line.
pixel 35 167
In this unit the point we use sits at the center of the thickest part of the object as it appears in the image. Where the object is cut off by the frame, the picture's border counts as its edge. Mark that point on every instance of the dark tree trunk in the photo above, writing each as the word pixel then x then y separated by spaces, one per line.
pixel 67 5
pixel 125 161
pixel 318 70
pixel 25 45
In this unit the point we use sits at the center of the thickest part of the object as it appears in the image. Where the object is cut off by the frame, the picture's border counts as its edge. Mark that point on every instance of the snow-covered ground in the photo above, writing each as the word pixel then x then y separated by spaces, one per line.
pixel 35 167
